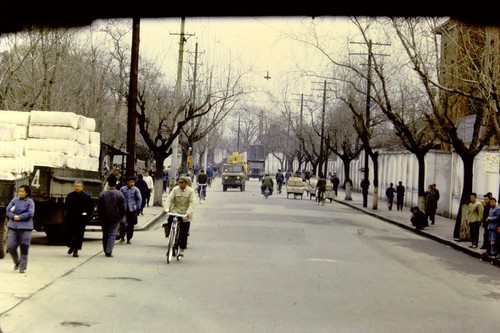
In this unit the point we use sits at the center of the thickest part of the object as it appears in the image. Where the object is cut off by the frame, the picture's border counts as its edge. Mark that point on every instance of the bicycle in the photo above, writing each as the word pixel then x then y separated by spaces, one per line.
pixel 202 192
pixel 173 237
pixel 321 197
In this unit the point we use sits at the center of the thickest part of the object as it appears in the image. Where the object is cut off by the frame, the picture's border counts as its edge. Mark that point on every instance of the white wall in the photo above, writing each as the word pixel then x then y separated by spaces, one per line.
pixel 442 168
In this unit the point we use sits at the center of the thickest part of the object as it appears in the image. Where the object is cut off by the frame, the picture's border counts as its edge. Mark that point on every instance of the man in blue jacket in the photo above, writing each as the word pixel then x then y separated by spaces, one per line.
pixel 133 204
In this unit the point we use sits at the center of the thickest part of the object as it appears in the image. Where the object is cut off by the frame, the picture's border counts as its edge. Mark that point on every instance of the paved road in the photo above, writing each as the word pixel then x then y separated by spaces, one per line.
pixel 441 231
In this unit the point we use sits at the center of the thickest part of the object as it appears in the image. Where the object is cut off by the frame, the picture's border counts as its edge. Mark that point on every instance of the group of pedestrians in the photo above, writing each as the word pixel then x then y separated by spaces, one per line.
pixel 398 192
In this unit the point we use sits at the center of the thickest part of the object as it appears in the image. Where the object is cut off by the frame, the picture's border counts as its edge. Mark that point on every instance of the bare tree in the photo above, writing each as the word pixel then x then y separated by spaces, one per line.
pixel 466 82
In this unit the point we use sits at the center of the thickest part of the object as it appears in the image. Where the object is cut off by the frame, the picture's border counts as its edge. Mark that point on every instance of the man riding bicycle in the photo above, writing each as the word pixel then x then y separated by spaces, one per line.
pixel 181 200
pixel 202 179
pixel 321 186
pixel 267 182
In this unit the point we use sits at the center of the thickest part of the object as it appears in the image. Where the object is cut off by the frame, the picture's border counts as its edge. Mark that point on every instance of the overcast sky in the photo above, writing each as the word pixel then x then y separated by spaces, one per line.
pixel 258 44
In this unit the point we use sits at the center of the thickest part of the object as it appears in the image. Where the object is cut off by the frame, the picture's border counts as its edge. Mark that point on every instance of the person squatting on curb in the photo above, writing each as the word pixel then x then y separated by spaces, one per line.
pixel 20 212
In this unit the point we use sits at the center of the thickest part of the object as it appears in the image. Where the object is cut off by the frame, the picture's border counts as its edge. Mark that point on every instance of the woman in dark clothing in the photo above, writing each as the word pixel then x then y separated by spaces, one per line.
pixel 79 207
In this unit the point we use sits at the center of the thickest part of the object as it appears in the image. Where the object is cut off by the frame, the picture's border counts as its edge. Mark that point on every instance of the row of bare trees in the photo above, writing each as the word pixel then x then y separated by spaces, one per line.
pixel 439 73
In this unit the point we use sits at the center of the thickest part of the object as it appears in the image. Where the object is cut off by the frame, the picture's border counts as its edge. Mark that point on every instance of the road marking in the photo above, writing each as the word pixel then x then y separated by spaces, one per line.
pixel 323 259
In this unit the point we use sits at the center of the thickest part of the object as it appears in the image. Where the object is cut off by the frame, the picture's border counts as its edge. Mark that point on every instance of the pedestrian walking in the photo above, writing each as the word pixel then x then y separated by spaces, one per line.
pixel 335 183
pixel 400 196
pixel 144 189
pixel 20 212
pixel 493 223
pixel 111 210
pixel 389 194
pixel 474 219
pixel 78 212
pixel 149 180
pixel 431 204
pixel 486 234
pixel 133 203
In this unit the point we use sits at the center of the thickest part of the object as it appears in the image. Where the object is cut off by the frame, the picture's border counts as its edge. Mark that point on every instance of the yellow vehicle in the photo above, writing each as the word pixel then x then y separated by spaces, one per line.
pixel 234 172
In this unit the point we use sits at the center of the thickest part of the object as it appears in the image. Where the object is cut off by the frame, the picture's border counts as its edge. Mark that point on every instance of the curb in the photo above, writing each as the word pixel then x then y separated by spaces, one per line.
pixel 149 223
pixel 454 245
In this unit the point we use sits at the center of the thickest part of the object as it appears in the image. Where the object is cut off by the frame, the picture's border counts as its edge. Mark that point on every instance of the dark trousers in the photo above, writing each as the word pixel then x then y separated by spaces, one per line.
pixel 76 231
pixel 183 231
pixel 474 232
pixel 486 238
pixel 128 226
pixel 399 203
pixel 109 236
pixel 431 215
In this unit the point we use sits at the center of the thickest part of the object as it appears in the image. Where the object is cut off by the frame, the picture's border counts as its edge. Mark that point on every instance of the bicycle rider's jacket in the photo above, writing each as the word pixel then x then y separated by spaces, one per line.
pixel 181 201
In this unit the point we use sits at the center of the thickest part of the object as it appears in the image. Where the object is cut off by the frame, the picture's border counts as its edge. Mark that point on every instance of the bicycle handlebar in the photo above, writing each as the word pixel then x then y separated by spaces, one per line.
pixel 176 214
pixel 201 184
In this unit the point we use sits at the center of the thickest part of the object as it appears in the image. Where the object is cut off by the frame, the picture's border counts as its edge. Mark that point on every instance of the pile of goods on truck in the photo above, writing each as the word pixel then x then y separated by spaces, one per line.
pixel 46 138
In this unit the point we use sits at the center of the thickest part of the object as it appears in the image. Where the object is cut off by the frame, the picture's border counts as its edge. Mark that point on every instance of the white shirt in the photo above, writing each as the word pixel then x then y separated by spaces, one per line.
pixel 149 181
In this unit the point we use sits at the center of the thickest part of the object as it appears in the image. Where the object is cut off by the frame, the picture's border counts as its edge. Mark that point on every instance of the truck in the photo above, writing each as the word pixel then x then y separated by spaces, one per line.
pixel 47 150
pixel 256 159
pixel 234 172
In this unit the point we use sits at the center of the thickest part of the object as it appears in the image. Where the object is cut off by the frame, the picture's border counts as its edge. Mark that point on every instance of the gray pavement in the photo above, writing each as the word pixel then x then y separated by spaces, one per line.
pixel 441 231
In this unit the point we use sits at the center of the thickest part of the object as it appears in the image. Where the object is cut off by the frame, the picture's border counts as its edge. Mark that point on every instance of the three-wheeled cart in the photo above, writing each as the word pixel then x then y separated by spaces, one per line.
pixel 295 187
pixel 329 193
pixel 311 187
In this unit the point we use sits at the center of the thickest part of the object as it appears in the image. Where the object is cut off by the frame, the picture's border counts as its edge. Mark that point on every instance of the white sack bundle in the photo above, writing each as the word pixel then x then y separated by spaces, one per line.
pixel 83 150
pixel 86 123
pixel 12 148
pixel 8 132
pixel 52 132
pixel 46 158
pixel 95 150
pixel 52 145
pixel 95 137
pixel 11 165
pixel 82 136
pixel 6 176
pixel 20 118
pixel 22 132
pixel 54 118
pixel 82 163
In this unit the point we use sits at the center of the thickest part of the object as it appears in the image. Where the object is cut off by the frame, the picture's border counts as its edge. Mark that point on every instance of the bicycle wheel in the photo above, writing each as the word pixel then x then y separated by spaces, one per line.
pixel 171 241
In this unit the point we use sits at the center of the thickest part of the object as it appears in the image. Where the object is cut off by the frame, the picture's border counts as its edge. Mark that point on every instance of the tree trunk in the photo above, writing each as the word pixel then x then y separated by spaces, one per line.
pixel 421 181
pixel 374 157
pixel 348 190
pixel 468 162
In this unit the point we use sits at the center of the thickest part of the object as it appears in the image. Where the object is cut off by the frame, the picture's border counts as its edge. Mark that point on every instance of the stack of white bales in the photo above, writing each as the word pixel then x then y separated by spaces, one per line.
pixel 13 135
pixel 54 139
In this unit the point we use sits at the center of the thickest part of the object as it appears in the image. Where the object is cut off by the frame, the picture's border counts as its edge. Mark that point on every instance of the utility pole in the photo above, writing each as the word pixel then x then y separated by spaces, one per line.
pixel 322 154
pixel 301 124
pixel 365 184
pixel 175 145
pixel 132 98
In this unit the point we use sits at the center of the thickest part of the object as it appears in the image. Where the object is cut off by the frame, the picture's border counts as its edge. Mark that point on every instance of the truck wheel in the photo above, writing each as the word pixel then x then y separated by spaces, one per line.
pixel 3 236
pixel 224 188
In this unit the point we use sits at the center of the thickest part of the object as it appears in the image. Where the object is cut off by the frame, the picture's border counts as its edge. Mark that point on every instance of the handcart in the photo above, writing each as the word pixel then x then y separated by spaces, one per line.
pixel 295 187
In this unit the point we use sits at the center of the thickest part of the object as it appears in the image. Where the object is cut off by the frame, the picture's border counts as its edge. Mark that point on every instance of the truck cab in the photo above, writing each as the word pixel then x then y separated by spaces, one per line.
pixel 233 176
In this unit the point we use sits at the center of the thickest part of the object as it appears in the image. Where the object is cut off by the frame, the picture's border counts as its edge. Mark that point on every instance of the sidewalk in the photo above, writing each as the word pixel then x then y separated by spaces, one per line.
pixel 441 231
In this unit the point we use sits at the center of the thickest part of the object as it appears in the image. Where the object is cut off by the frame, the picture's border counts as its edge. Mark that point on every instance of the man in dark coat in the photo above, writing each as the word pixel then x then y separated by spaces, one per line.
pixel 79 208
pixel 111 209
pixel 144 189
